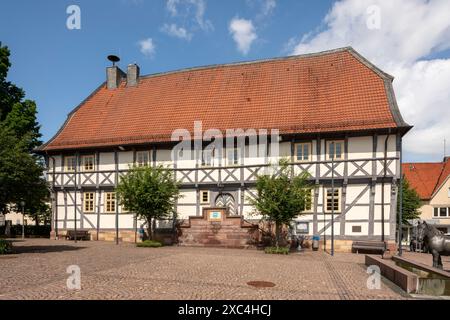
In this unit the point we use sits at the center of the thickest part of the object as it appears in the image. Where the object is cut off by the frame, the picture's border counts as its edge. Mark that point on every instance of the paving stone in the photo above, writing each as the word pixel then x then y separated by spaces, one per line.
pixel 109 271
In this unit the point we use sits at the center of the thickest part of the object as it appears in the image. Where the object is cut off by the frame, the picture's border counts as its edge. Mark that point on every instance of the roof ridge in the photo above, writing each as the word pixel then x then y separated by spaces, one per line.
pixel 256 61
pixel 438 186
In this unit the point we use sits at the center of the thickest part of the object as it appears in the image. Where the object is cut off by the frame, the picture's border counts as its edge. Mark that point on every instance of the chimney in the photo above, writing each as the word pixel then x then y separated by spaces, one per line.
pixel 114 77
pixel 132 75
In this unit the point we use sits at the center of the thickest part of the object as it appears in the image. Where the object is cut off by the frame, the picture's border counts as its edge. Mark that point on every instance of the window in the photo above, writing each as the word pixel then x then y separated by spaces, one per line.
pixel 142 158
pixel 70 164
pixel 208 158
pixel 204 197
pixel 233 157
pixel 308 202
pixel 303 151
pixel 449 192
pixel 88 163
pixel 436 212
pixel 356 229
pixel 88 205
pixel 110 202
pixel 330 202
pixel 336 149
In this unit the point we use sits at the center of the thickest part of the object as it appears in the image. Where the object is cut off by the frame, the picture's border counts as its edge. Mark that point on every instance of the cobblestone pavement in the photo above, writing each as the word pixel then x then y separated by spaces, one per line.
pixel 108 271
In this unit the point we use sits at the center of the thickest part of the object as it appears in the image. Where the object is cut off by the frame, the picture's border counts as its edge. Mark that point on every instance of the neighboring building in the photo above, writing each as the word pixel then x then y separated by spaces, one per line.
pixel 432 183
pixel 314 100
pixel 15 218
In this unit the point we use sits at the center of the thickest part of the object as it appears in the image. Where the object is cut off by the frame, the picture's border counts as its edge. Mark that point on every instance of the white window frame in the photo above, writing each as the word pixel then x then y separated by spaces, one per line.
pixel 336 198
pixel 66 162
pixel 91 202
pixel 83 162
pixel 110 202
pixel 302 145
pixel 342 142
pixel 201 197
pixel 142 164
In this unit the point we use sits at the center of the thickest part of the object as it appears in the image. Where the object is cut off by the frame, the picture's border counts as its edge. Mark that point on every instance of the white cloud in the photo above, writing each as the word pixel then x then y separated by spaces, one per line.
pixel 194 9
pixel 147 47
pixel 398 36
pixel 268 6
pixel 175 31
pixel 172 6
pixel 243 33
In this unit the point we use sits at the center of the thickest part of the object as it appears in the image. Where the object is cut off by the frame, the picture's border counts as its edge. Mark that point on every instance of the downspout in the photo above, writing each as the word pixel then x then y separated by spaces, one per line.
pixel 55 216
pixel 382 184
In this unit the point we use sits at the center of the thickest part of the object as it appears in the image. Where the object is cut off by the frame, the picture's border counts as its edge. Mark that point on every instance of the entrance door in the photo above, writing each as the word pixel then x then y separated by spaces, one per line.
pixel 226 200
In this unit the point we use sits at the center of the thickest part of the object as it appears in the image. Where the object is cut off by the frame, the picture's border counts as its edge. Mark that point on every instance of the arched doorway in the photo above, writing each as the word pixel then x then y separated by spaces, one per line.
pixel 226 200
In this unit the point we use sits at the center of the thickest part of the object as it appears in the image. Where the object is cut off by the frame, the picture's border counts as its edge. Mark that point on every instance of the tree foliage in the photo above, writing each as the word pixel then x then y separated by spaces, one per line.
pixel 411 203
pixel 150 192
pixel 21 172
pixel 281 196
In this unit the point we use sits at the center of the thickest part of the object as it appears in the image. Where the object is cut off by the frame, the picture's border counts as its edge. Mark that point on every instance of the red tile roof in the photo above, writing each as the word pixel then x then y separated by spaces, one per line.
pixel 426 178
pixel 332 91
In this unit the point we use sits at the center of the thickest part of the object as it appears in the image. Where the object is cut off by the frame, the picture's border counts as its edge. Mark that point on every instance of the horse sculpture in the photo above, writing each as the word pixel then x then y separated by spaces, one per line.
pixel 436 242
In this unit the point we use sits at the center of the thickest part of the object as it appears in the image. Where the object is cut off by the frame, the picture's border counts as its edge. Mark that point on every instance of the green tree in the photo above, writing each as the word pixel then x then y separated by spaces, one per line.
pixel 150 192
pixel 21 172
pixel 281 196
pixel 411 203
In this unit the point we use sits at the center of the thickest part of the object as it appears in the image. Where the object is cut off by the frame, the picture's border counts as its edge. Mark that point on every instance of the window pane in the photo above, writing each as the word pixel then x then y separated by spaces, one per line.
pixel 331 147
pixel 338 150
pixel 436 212
pixel 299 152
pixel 306 151
pixel 442 212
pixel 88 162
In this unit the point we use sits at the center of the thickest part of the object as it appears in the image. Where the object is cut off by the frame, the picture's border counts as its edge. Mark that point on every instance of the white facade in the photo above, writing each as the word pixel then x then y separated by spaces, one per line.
pixel 358 179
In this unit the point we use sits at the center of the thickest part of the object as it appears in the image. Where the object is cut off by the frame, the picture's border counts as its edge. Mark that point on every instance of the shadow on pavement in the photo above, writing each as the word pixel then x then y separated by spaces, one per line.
pixel 44 249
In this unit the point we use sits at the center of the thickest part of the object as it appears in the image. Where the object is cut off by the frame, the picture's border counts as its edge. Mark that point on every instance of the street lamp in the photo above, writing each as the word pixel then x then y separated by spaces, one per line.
pixel 22 204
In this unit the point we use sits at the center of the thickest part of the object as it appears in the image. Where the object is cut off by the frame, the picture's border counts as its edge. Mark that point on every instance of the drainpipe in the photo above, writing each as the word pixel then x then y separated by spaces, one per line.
pixel 382 184
pixel 53 196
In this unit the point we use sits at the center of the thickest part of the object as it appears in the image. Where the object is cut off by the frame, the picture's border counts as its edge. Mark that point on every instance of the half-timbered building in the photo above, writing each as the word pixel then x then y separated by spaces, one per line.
pixel 337 118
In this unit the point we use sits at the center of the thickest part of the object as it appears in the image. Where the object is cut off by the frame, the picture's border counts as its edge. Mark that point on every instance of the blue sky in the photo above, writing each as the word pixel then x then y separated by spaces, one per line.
pixel 59 67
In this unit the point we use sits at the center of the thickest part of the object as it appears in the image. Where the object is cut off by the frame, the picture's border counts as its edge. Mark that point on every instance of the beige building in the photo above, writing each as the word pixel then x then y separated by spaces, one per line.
pixel 432 183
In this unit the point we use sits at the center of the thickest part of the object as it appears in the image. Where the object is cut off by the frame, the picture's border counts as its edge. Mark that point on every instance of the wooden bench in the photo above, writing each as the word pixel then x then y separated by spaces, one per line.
pixel 379 246
pixel 81 235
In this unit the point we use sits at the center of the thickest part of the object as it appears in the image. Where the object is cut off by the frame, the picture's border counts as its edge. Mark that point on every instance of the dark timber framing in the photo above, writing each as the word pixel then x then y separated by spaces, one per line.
pixel 367 172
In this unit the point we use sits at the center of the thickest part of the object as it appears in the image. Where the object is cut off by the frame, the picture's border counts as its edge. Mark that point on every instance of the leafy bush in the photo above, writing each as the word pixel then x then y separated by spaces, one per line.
pixel 5 247
pixel 276 250
pixel 149 244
